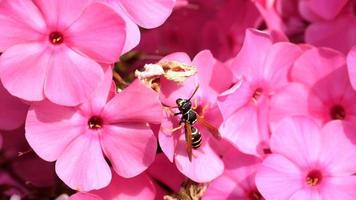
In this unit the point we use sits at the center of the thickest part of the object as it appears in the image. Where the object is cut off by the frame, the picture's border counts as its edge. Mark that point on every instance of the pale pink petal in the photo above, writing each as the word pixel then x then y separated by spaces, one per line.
pixel 224 187
pixel 351 64
pixel 338 34
pixel 205 166
pixel 17 26
pixel 12 110
pixel 136 103
pixel 290 100
pixel 71 78
pixel 148 13
pixel 280 58
pixel 139 187
pixel 24 76
pixel 130 147
pixel 214 77
pixel 50 128
pixel 306 194
pixel 84 196
pixel 171 91
pixel 99 33
pixel 278 178
pixel 316 63
pixel 179 57
pixel 327 10
pixel 82 165
pixel 298 139
pixel 339 188
pixel 250 60
pixel 338 151
pixel 59 14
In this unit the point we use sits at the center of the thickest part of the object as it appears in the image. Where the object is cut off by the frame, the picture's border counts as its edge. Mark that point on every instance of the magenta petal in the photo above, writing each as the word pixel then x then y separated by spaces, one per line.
pixel 17 26
pixel 131 147
pixel 351 66
pixel 82 165
pixel 327 10
pixel 45 125
pixel 71 78
pixel 12 110
pixel 99 33
pixel 148 13
pixel 179 57
pixel 171 91
pixel 205 166
pixel 139 187
pixel 136 103
pixel 84 196
pixel 298 139
pixel 24 76
pixel 278 178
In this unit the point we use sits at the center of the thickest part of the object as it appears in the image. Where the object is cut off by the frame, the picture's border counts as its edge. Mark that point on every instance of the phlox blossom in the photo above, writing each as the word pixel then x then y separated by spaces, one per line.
pixel 112 125
pixel 261 69
pixel 212 78
pixel 52 49
pixel 309 162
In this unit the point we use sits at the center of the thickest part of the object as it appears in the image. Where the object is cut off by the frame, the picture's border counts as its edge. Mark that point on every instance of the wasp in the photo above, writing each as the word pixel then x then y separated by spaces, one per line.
pixel 189 117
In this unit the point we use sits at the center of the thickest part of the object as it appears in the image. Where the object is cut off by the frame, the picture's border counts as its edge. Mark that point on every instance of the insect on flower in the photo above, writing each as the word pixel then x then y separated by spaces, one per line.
pixel 188 118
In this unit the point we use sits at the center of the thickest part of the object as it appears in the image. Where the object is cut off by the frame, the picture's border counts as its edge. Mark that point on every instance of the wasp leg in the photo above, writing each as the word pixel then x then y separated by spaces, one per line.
pixel 175 114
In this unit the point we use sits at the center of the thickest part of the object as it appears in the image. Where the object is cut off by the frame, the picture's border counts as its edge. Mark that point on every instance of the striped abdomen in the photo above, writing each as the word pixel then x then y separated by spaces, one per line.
pixel 196 138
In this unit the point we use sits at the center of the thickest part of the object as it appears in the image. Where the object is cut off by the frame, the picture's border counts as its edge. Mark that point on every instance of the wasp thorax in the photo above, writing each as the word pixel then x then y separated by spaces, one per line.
pixel 95 122
pixel 56 38
pixel 313 178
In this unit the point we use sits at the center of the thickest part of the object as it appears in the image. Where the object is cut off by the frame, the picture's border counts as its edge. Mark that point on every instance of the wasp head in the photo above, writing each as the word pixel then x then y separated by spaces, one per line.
pixel 184 105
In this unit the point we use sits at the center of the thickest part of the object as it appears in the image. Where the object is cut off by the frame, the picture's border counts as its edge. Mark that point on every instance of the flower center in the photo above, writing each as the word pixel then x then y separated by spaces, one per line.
pixel 95 122
pixel 255 195
pixel 313 178
pixel 258 92
pixel 56 38
pixel 337 112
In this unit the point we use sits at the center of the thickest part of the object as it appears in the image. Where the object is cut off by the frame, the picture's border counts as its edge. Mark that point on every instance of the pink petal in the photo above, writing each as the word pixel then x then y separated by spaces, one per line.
pixel 306 194
pixel 280 58
pixel 84 196
pixel 71 78
pixel 148 13
pixel 338 34
pixel 24 76
pixel 99 33
pixel 145 107
pixel 171 91
pixel 82 165
pixel 351 64
pixel 19 27
pixel 316 63
pixel 179 57
pixel 130 147
pixel 338 151
pixel 327 10
pixel 139 187
pixel 339 188
pixel 213 76
pixel 224 187
pixel 60 14
pixel 250 60
pixel 205 166
pixel 278 178
pixel 298 139
pixel 44 129
pixel 12 110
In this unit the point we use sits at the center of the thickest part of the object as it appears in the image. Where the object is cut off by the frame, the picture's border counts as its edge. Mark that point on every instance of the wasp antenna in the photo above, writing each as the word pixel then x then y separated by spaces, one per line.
pixel 196 89
pixel 165 105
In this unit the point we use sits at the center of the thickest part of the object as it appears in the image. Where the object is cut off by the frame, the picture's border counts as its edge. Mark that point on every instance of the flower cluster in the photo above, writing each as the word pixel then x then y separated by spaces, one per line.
pixel 178 99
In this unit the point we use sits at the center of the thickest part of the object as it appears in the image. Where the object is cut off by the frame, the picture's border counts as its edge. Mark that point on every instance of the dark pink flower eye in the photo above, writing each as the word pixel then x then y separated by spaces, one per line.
pixel 337 112
pixel 56 38
pixel 314 178
pixel 255 195
pixel 95 122
pixel 258 92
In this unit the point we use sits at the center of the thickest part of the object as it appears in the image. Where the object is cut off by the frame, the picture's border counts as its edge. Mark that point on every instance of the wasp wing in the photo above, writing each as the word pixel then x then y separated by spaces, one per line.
pixel 188 139
pixel 212 129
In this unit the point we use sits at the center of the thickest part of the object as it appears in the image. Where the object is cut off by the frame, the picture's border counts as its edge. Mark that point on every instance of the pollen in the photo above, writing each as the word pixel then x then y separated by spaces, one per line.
pixel 95 122
pixel 313 178
pixel 337 112
pixel 56 38
pixel 257 93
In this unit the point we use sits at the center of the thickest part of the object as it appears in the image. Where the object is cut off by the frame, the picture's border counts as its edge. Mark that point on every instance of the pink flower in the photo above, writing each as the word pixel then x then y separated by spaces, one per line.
pixel 351 66
pixel 238 179
pixel 61 45
pixel 309 162
pixel 145 13
pixel 262 68
pixel 79 137
pixel 12 110
pixel 139 187
pixel 321 90
pixel 212 78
